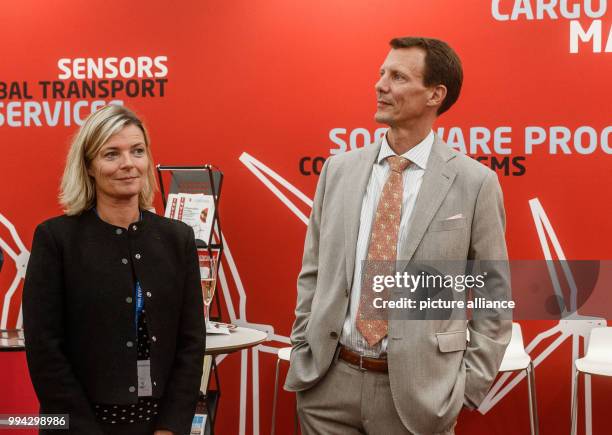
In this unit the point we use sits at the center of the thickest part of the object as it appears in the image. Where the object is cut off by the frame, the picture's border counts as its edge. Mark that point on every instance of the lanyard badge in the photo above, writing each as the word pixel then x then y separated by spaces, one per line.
pixel 139 306
pixel 145 388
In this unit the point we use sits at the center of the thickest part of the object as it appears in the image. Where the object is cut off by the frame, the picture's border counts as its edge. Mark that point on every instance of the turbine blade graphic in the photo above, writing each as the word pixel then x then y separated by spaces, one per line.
pixel 260 171
pixel 544 228
pixel 21 262
pixel 571 325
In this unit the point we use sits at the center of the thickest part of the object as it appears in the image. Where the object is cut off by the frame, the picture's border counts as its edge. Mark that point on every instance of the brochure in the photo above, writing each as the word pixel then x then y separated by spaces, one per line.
pixel 196 210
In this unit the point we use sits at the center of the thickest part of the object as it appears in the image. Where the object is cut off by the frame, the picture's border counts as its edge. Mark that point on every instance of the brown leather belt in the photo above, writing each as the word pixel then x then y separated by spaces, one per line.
pixel 363 362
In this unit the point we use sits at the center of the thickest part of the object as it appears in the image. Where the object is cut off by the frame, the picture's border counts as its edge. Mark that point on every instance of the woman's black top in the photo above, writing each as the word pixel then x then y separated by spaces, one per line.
pixel 79 317
pixel 147 407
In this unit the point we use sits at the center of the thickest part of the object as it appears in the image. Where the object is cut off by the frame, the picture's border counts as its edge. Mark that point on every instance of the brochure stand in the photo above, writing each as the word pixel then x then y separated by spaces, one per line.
pixel 207 180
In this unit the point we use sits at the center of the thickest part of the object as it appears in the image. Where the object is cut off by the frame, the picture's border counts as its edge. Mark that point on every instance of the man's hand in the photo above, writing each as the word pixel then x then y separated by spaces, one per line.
pixel 163 432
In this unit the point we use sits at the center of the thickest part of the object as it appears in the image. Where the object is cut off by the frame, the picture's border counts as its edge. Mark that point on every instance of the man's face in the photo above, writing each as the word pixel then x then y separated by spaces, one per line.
pixel 401 95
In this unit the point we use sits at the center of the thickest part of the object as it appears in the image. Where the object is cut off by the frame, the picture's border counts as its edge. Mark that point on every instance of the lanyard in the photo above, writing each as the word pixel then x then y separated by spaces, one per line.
pixel 139 305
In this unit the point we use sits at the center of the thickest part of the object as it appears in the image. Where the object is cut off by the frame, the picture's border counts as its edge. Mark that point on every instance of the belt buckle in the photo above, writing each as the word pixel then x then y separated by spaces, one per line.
pixel 363 369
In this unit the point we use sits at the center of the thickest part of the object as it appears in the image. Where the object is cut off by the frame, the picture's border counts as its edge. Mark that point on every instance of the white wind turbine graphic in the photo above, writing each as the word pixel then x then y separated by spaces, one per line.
pixel 20 257
pixel 241 320
pixel 262 172
pixel 571 325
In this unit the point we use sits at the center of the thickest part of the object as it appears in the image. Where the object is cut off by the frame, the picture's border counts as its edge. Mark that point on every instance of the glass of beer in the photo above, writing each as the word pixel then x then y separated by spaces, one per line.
pixel 208 278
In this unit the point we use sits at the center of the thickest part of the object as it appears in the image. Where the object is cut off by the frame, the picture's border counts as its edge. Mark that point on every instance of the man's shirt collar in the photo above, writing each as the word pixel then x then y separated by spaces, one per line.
pixel 418 154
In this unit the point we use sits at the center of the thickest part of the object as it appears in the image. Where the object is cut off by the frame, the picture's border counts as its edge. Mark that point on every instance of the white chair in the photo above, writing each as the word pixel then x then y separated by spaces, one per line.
pixel 597 361
pixel 284 354
pixel 516 359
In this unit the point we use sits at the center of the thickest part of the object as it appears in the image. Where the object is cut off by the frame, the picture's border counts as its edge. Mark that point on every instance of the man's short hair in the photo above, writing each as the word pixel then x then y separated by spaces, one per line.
pixel 442 66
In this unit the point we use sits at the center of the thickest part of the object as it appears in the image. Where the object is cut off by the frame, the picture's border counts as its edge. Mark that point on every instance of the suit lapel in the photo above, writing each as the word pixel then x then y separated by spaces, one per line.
pixel 355 180
pixel 437 180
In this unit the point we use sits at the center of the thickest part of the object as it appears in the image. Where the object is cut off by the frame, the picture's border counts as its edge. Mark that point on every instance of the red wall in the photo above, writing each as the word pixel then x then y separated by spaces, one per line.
pixel 273 79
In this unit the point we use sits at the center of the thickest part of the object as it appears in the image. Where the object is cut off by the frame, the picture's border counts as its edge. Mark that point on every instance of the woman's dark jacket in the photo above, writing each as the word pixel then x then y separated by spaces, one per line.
pixel 79 314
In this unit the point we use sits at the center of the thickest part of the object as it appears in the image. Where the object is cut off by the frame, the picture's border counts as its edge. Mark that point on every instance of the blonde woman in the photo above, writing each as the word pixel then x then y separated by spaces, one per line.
pixel 112 305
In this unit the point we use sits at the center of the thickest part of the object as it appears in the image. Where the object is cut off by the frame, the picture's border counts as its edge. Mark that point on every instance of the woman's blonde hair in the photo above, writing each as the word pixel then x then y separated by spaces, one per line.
pixel 78 189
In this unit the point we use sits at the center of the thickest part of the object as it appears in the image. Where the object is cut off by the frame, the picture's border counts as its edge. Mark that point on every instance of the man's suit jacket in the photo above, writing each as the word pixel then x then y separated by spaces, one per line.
pixel 432 368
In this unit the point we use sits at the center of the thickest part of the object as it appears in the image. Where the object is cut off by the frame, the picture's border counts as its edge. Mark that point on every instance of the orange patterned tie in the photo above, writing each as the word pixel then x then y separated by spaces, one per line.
pixel 382 252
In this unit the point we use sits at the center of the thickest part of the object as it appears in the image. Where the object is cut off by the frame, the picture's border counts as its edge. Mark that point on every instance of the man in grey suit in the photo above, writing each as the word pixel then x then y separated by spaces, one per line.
pixel 410 198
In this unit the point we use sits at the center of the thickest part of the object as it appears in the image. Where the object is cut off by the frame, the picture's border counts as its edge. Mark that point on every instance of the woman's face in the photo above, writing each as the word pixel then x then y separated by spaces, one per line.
pixel 120 167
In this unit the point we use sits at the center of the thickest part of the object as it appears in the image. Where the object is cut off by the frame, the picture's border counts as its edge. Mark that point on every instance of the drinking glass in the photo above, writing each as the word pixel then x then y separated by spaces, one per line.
pixel 208 277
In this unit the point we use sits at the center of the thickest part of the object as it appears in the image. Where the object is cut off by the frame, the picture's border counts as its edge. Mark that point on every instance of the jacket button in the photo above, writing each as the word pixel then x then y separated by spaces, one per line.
pixel 137 256
pixel 155 383
pixel 154 338
pixel 132 389
pixel 124 260
pixel 148 294
pixel 118 231
pixel 128 299
pixel 129 344
pixel 134 227
pixel 333 334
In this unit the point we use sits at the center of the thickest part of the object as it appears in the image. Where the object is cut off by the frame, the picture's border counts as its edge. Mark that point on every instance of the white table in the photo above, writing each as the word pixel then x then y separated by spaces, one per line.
pixel 240 338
